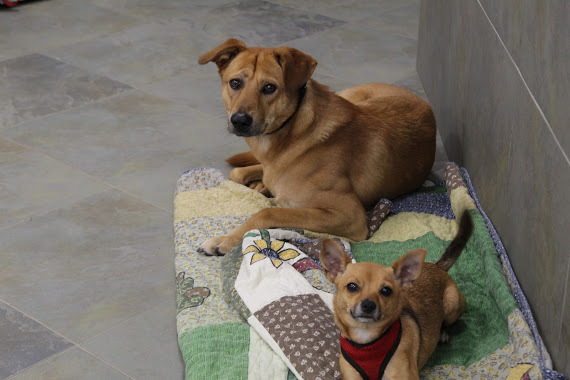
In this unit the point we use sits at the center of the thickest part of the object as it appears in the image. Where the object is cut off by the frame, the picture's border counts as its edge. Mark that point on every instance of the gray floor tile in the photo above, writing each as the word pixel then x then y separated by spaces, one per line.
pixel 24 342
pixel 37 25
pixel 199 88
pixel 135 141
pixel 87 267
pixel 215 158
pixel 157 51
pixel 401 20
pixel 141 54
pixel 72 365
pixel 261 23
pixel 151 10
pixel 348 10
pixel 145 347
pixel 32 184
pixel 35 85
pixel 151 178
pixel 361 55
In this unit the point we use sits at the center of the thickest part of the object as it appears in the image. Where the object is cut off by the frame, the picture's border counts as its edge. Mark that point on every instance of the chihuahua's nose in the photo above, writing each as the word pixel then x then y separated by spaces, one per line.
pixel 368 306
pixel 241 121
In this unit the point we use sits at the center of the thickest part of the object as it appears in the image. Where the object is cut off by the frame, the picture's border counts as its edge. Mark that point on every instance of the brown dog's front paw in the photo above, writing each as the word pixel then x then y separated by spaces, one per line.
pixel 217 246
pixel 210 247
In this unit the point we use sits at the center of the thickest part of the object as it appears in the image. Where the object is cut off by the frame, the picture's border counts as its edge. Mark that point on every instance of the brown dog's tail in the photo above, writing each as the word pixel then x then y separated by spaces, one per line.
pixel 459 242
pixel 242 159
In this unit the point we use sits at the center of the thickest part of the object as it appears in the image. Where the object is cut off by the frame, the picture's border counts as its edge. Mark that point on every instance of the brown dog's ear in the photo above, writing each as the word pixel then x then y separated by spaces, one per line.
pixel 408 267
pixel 297 66
pixel 223 54
pixel 333 258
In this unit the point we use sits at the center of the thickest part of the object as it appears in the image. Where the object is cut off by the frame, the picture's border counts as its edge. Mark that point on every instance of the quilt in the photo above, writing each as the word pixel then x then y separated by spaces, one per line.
pixel 264 310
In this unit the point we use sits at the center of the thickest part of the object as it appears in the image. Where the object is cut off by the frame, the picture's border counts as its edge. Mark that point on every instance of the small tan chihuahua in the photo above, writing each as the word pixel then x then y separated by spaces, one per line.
pixel 391 319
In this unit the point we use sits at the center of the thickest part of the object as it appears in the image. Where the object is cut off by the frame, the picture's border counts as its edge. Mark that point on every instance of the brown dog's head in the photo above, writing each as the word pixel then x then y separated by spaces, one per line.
pixel 368 297
pixel 261 87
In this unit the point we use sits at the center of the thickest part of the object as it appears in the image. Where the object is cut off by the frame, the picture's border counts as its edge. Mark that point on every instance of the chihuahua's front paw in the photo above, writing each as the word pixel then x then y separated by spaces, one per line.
pixel 217 246
pixel 444 335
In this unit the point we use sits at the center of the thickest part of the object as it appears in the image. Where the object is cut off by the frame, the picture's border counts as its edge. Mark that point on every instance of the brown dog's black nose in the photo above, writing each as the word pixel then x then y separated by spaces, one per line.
pixel 368 306
pixel 241 121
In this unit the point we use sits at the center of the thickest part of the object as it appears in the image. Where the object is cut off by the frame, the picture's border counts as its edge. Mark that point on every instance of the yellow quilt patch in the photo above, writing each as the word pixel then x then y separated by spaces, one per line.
pixel 411 225
pixel 226 199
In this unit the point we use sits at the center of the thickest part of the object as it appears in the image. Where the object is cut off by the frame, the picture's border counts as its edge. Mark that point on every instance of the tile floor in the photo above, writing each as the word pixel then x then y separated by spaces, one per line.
pixel 102 106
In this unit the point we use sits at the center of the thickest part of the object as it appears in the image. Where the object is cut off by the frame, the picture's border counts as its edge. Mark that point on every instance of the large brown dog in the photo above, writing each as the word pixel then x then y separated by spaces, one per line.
pixel 326 157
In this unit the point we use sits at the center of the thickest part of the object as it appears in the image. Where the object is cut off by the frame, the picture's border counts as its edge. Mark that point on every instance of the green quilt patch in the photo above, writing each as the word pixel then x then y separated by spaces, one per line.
pixel 228 343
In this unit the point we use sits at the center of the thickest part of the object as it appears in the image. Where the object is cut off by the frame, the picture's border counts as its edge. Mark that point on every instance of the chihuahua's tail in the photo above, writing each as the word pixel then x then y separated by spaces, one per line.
pixel 242 159
pixel 452 252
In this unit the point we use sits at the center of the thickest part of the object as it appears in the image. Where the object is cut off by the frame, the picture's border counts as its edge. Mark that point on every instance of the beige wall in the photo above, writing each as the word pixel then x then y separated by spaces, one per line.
pixel 497 75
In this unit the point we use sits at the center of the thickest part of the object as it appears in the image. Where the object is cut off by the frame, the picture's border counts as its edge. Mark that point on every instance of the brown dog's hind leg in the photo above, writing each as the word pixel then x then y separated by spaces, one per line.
pixel 250 176
pixel 247 174
pixel 260 187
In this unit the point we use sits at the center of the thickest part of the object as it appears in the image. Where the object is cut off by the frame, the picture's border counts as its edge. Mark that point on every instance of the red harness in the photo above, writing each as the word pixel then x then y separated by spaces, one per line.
pixel 371 359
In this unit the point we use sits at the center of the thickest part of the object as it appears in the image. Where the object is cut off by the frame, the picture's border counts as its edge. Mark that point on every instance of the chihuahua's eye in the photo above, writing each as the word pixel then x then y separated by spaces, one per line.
pixel 386 291
pixel 352 287
pixel 236 84
pixel 268 88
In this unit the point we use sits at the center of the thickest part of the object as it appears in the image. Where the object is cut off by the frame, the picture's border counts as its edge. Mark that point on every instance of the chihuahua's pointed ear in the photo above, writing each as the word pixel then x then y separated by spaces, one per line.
pixel 333 258
pixel 408 267
pixel 223 54
pixel 297 66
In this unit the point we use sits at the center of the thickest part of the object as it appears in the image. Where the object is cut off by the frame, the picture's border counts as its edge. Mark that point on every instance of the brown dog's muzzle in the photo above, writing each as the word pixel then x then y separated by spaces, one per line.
pixel 241 123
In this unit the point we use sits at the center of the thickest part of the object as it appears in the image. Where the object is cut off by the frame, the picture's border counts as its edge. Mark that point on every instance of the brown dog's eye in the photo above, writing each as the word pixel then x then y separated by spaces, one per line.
pixel 236 84
pixel 268 88
pixel 386 291
pixel 352 287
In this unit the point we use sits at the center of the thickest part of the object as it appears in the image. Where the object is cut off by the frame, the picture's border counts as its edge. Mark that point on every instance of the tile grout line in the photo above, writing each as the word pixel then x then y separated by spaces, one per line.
pixel 525 84
pixel 74 344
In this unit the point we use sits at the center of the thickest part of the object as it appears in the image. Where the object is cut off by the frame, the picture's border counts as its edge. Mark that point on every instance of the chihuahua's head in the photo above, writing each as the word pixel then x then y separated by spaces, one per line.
pixel 369 296
pixel 260 86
